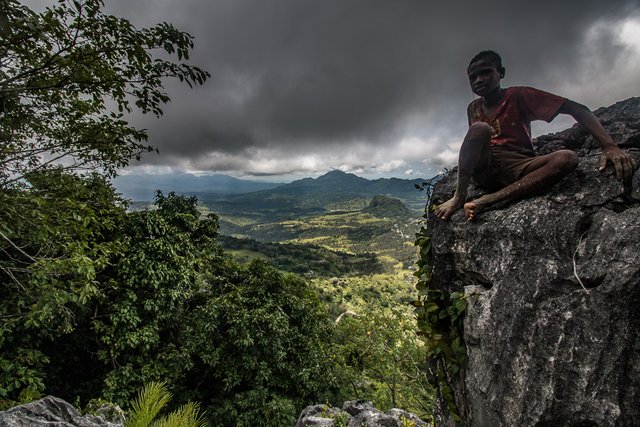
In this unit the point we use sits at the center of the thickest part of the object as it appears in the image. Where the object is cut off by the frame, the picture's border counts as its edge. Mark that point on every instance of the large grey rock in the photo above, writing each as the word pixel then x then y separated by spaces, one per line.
pixel 356 413
pixel 320 416
pixel 621 120
pixel 543 350
pixel 50 412
pixel 406 418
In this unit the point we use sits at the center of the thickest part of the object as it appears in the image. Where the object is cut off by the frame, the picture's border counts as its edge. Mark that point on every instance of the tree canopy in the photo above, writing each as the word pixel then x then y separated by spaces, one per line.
pixel 68 78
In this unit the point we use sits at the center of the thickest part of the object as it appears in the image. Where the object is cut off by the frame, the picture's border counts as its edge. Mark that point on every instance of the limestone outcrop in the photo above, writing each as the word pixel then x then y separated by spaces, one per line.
pixel 356 413
pixel 552 328
pixel 54 412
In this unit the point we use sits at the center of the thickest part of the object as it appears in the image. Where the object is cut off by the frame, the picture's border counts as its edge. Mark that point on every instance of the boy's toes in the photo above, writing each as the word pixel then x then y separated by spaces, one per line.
pixel 470 211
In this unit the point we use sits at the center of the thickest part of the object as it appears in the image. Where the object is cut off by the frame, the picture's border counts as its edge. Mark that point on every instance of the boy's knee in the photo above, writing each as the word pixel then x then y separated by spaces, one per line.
pixel 480 131
pixel 568 160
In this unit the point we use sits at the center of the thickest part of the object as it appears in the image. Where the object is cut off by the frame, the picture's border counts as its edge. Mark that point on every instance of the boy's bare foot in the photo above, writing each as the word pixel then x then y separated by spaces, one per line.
pixel 472 208
pixel 445 210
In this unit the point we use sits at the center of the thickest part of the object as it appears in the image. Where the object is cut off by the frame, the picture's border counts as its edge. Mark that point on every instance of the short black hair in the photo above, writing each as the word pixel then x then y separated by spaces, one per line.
pixel 490 56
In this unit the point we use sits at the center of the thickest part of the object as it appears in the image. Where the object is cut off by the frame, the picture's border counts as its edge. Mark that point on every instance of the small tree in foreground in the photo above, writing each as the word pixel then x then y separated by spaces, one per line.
pixel 152 399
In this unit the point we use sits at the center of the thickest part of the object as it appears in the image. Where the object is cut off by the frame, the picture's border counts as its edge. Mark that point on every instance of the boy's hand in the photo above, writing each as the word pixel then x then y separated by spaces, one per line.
pixel 622 161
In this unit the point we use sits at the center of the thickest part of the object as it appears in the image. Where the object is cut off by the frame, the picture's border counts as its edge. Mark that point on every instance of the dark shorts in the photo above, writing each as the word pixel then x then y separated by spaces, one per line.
pixel 505 166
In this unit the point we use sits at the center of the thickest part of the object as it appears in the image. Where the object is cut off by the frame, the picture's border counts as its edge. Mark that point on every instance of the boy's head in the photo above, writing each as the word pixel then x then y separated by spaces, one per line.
pixel 490 57
pixel 485 72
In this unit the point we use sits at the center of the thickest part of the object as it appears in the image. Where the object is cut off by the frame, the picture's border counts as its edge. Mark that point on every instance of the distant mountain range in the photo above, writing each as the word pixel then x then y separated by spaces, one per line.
pixel 143 187
pixel 334 191
pixel 347 183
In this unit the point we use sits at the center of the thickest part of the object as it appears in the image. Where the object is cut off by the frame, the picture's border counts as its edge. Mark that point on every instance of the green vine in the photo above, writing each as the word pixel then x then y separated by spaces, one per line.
pixel 439 313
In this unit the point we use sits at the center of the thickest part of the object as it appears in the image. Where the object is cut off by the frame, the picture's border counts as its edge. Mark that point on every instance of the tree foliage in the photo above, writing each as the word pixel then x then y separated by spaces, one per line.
pixel 125 299
pixel 151 288
pixel 55 239
pixel 381 359
pixel 69 76
pixel 262 343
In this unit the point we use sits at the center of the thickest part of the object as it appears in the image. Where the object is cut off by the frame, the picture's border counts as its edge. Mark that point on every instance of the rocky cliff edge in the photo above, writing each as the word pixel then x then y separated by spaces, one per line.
pixel 552 327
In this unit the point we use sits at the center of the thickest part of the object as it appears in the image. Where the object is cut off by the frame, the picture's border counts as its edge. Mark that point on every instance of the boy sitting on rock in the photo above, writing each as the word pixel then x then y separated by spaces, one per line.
pixel 497 152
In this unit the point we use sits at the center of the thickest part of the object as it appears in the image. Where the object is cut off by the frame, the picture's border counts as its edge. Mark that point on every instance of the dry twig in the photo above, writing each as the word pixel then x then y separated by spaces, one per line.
pixel 575 267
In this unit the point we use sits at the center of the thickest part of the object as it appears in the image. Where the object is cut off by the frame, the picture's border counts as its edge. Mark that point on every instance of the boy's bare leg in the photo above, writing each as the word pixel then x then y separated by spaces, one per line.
pixel 559 164
pixel 474 151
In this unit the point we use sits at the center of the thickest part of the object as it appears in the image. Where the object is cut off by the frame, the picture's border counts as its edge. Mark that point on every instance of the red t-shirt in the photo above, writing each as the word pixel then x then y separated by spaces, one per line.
pixel 511 121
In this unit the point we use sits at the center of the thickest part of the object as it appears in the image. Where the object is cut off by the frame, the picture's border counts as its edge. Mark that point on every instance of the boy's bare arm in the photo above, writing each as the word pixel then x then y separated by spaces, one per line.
pixel 622 161
pixel 470 114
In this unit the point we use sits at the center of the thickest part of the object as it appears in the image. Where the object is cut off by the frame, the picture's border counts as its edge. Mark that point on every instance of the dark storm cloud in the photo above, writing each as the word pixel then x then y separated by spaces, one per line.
pixel 319 75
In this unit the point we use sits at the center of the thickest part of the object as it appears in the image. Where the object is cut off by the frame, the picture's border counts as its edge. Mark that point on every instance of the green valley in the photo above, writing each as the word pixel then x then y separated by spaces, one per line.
pixel 359 256
pixel 352 241
pixel 338 224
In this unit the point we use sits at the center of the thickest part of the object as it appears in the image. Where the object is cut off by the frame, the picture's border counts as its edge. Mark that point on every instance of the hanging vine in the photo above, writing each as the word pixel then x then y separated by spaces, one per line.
pixel 439 313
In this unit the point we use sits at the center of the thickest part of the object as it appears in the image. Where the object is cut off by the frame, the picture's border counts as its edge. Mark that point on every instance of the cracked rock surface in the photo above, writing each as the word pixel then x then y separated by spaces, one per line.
pixel 51 411
pixel 552 328
pixel 356 413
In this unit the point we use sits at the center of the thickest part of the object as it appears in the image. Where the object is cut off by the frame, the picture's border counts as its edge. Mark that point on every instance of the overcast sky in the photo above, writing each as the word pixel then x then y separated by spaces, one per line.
pixel 373 87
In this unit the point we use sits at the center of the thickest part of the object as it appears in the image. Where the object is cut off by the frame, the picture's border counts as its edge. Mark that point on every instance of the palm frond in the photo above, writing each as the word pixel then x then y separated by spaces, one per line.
pixel 151 399
pixel 187 415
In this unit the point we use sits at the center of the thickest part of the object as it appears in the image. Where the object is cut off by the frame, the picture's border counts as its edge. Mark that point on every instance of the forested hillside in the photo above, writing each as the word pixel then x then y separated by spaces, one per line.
pixel 98 300
pixel 332 192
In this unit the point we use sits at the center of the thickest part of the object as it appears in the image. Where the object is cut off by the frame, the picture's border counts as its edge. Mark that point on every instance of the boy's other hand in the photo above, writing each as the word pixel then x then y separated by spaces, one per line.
pixel 623 162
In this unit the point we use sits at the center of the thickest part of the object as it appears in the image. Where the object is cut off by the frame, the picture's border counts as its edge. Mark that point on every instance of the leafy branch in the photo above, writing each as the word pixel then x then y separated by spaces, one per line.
pixel 69 75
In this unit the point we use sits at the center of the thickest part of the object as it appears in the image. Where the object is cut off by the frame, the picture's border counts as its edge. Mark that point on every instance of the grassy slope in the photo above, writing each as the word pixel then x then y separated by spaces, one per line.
pixel 347 234
pixel 350 232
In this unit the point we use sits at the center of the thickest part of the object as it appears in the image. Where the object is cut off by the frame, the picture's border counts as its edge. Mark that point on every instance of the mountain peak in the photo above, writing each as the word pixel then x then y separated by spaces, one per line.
pixel 336 173
pixel 339 175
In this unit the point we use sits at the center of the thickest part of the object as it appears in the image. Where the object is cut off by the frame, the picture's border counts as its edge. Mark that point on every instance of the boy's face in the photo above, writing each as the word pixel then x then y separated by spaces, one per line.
pixel 484 77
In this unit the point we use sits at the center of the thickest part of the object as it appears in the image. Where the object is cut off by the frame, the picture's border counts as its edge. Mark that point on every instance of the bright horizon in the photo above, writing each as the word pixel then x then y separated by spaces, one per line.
pixel 279 179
